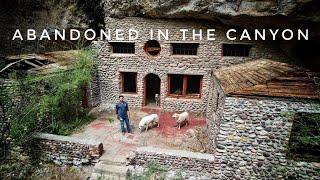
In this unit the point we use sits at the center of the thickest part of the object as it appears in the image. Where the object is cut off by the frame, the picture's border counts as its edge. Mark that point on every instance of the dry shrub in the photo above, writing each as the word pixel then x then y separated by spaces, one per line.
pixel 197 140
pixel 51 171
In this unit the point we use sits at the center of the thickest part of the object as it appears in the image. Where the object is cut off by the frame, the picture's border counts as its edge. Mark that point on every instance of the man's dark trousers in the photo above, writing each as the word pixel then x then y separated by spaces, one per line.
pixel 125 120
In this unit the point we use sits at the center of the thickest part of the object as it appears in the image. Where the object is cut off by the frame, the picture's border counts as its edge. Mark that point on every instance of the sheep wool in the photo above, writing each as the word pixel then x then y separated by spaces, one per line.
pixel 145 121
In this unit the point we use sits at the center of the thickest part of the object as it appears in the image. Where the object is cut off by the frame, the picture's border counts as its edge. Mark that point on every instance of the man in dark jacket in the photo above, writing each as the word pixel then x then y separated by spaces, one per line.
pixel 122 115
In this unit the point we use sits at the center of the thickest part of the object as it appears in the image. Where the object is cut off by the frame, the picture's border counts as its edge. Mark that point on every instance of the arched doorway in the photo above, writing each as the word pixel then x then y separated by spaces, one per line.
pixel 151 88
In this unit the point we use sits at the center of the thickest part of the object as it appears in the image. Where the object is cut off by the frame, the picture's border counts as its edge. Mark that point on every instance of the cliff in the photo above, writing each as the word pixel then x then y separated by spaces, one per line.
pixel 236 12
pixel 83 14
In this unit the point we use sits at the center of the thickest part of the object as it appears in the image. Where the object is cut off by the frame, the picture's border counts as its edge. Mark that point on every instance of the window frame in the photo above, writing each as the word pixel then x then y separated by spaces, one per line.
pixel 122 83
pixel 249 46
pixel 147 45
pixel 181 49
pixel 112 44
pixel 184 87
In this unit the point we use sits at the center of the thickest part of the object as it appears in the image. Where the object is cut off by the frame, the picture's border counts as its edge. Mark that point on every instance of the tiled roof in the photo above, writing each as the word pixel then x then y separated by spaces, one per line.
pixel 55 56
pixel 265 77
pixel 56 60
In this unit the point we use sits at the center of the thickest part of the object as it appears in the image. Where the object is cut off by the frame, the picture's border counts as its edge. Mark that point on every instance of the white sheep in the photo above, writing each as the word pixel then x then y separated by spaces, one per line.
pixel 149 121
pixel 181 118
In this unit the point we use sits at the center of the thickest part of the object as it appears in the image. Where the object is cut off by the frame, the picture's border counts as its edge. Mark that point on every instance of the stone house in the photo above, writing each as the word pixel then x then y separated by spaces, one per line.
pixel 243 88
pixel 252 121
pixel 181 72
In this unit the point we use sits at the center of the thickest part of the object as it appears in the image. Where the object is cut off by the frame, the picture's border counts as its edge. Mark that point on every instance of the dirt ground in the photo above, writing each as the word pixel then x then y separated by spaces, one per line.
pixel 106 128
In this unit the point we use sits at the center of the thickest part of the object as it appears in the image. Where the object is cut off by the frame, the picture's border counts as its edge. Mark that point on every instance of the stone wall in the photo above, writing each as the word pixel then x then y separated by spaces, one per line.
pixel 94 86
pixel 214 112
pixel 68 150
pixel 173 159
pixel 253 137
pixel 209 58
pixel 9 98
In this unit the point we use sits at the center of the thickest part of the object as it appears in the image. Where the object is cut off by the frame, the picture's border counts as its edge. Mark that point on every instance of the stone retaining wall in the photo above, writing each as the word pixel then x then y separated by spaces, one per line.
pixel 68 150
pixel 173 159
pixel 9 98
pixel 253 136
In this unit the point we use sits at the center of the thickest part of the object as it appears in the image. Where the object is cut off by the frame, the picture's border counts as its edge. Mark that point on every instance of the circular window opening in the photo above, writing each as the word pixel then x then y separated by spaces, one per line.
pixel 152 47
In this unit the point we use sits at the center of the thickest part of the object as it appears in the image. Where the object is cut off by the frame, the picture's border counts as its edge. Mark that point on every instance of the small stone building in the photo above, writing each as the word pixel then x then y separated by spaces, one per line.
pixel 252 121
pixel 179 71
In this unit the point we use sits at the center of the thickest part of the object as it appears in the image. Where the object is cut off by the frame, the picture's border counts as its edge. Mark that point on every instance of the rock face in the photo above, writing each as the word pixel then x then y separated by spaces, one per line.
pixel 229 11
pixel 91 13
pixel 50 15
pixel 83 14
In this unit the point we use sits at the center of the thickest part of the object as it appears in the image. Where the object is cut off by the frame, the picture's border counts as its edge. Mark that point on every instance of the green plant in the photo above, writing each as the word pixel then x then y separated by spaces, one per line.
pixel 287 114
pixel 178 176
pixel 110 119
pixel 152 171
pixel 66 128
pixel 17 165
pixel 178 91
pixel 52 102
pixel 304 143
pixel 100 176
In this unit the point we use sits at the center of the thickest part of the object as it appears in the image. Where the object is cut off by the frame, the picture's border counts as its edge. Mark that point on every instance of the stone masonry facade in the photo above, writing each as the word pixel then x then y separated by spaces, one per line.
pixel 214 112
pixel 174 159
pixel 209 57
pixel 253 136
pixel 68 150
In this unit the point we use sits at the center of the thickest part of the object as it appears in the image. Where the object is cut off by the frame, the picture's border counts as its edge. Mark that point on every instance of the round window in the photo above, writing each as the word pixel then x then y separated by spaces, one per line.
pixel 152 47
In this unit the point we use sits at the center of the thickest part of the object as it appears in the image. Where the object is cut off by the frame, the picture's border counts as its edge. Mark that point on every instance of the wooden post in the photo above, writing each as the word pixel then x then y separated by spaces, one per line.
pixel 184 91
pixel 85 96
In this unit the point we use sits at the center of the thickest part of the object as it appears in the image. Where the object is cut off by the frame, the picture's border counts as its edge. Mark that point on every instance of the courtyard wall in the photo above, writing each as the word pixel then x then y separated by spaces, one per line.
pixel 173 159
pixel 68 150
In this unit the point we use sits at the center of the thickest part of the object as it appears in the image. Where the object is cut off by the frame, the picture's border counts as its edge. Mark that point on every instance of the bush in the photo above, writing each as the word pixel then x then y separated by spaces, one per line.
pixel 51 171
pixel 304 143
pixel 153 171
pixel 52 102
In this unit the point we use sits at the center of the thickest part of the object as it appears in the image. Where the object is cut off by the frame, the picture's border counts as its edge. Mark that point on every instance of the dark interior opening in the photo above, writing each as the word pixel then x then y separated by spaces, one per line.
pixel 307 53
pixel 185 85
pixel 122 47
pixel 129 82
pixel 152 88
pixel 241 50
pixel 193 84
pixel 184 48
pixel 176 84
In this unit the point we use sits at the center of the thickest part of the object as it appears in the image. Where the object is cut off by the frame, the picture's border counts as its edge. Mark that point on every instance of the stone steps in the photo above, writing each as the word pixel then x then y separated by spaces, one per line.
pixel 111 166
pixel 98 176
pixel 103 170
pixel 110 162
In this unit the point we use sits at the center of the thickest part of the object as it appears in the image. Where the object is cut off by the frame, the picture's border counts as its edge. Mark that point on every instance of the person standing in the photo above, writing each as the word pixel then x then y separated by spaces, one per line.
pixel 122 114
